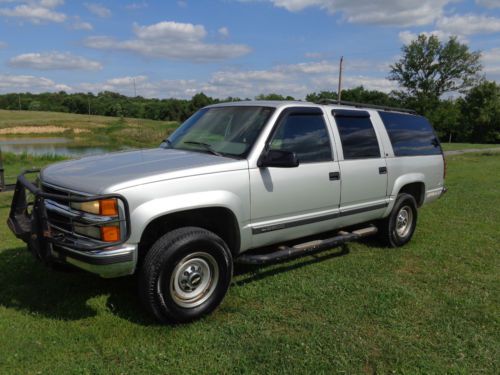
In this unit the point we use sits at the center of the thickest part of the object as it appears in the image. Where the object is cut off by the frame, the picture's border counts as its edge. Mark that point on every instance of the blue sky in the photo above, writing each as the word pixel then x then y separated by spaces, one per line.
pixel 176 48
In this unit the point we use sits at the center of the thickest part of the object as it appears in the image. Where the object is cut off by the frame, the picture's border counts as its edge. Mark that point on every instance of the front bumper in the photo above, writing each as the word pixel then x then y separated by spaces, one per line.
pixel 53 240
pixel 108 263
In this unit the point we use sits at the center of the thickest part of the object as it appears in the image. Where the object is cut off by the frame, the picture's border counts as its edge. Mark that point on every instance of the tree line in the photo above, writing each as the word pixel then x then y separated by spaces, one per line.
pixel 440 80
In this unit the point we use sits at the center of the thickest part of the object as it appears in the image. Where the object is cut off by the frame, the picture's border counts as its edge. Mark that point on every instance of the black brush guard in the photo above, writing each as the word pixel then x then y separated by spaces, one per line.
pixel 29 221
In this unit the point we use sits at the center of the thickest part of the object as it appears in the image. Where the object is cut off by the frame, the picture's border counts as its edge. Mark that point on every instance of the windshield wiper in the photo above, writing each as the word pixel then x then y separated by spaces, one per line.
pixel 206 146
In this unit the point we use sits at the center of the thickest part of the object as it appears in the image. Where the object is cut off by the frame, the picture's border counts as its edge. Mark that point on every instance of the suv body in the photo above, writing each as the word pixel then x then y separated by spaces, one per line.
pixel 353 163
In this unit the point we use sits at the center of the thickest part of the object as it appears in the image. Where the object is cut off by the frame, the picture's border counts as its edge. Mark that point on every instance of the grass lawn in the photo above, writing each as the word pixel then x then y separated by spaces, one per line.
pixel 85 130
pixel 430 307
pixel 465 146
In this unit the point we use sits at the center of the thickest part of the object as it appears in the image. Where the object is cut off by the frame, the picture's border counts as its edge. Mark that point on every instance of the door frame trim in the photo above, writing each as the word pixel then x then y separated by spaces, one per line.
pixel 296 223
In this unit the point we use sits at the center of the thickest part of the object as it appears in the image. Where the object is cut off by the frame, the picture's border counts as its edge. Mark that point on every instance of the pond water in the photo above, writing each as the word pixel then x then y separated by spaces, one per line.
pixel 48 146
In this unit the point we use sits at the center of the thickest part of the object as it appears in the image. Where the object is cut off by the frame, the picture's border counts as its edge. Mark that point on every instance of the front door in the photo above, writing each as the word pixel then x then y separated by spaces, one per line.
pixel 289 203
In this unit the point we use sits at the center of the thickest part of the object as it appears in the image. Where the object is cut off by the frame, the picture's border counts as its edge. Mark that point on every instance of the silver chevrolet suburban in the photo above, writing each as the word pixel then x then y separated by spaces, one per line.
pixel 249 182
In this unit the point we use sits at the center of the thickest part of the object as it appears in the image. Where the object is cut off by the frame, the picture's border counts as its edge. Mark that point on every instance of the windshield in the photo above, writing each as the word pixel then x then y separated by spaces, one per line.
pixel 226 131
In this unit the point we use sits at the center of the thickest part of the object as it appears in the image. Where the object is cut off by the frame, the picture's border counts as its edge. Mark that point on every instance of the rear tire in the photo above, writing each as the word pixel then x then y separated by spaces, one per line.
pixel 185 275
pixel 397 229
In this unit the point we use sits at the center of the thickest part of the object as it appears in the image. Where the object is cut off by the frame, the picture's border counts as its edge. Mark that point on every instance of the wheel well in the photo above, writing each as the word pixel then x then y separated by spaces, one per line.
pixel 417 189
pixel 218 220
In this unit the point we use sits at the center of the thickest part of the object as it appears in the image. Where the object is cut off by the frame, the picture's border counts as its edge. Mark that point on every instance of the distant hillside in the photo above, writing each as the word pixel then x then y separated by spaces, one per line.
pixel 84 129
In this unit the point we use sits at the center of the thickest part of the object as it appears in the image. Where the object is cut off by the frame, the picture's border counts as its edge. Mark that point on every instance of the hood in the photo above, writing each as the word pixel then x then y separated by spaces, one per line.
pixel 111 172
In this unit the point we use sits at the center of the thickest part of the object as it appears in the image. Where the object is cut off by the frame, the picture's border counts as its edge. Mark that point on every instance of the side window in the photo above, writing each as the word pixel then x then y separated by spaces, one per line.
pixel 357 135
pixel 304 134
pixel 410 135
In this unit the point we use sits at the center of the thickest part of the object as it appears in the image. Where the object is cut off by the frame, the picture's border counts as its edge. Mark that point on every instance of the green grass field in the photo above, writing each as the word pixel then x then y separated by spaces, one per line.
pixel 466 146
pixel 431 307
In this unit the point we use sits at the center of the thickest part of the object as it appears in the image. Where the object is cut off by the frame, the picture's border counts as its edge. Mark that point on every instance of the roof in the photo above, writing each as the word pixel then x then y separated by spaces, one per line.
pixel 333 104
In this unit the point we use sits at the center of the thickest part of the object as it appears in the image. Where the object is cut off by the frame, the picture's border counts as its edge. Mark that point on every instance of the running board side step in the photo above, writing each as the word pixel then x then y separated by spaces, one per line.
pixel 287 253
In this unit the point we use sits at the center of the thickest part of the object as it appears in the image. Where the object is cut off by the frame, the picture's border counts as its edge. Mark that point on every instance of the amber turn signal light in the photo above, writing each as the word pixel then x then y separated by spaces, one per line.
pixel 108 207
pixel 110 234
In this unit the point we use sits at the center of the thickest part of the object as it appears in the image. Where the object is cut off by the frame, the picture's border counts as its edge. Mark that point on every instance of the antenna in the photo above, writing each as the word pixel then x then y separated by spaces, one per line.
pixel 339 91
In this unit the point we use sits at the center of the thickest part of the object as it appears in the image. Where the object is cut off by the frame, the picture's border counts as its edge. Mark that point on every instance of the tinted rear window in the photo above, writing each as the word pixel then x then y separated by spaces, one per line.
pixel 410 135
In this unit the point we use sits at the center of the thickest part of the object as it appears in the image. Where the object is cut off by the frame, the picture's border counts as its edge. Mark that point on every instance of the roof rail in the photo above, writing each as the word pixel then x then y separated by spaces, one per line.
pixel 364 105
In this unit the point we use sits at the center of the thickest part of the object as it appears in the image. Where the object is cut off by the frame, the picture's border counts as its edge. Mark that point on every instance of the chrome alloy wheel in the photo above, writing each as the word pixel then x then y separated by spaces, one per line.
pixel 194 279
pixel 404 221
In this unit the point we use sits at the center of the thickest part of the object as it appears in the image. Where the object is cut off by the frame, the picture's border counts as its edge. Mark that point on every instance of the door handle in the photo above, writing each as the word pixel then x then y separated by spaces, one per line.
pixel 382 170
pixel 334 176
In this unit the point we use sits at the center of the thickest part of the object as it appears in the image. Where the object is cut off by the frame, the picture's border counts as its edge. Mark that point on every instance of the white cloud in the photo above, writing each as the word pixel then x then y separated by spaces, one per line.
pixel 247 78
pixel 170 40
pixel 51 3
pixel 489 3
pixel 469 24
pixel 136 6
pixel 310 67
pixel 54 61
pixel 3 45
pixel 98 9
pixel 296 80
pixel 224 32
pixel 491 62
pixel 121 84
pixel 170 31
pixel 386 12
pixel 407 36
pixel 78 24
pixel 369 83
pixel 330 83
pixel 24 83
pixel 314 55
pixel 36 11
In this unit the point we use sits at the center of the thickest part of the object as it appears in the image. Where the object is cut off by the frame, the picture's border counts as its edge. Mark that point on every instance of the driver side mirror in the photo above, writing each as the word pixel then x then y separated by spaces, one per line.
pixel 278 159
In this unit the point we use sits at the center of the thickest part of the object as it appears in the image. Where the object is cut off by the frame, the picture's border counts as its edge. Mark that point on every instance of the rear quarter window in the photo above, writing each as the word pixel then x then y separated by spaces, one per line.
pixel 357 135
pixel 410 135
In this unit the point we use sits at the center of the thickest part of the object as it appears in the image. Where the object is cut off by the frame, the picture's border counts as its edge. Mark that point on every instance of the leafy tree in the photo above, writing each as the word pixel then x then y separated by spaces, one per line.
pixel 447 120
pixel 200 100
pixel 357 94
pixel 34 105
pixel 481 110
pixel 430 68
pixel 273 96
pixel 361 95
pixel 323 95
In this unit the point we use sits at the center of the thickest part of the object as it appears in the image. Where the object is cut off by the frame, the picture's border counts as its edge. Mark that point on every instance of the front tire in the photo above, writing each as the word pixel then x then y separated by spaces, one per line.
pixel 185 275
pixel 397 229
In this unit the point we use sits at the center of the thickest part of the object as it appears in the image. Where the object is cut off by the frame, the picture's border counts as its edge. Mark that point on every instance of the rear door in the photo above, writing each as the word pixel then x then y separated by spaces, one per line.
pixel 363 167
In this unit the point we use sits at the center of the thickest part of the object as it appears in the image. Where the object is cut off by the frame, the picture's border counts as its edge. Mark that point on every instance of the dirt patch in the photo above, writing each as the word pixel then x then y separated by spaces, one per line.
pixel 80 131
pixel 50 129
pixel 33 130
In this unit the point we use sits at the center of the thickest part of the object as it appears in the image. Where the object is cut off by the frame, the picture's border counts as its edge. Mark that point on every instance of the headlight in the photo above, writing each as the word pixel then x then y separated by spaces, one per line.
pixel 104 207
pixel 87 230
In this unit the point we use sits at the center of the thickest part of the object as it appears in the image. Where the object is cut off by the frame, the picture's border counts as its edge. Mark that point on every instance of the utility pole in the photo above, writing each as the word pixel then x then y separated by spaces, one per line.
pixel 88 101
pixel 339 91
pixel 19 97
pixel 135 91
